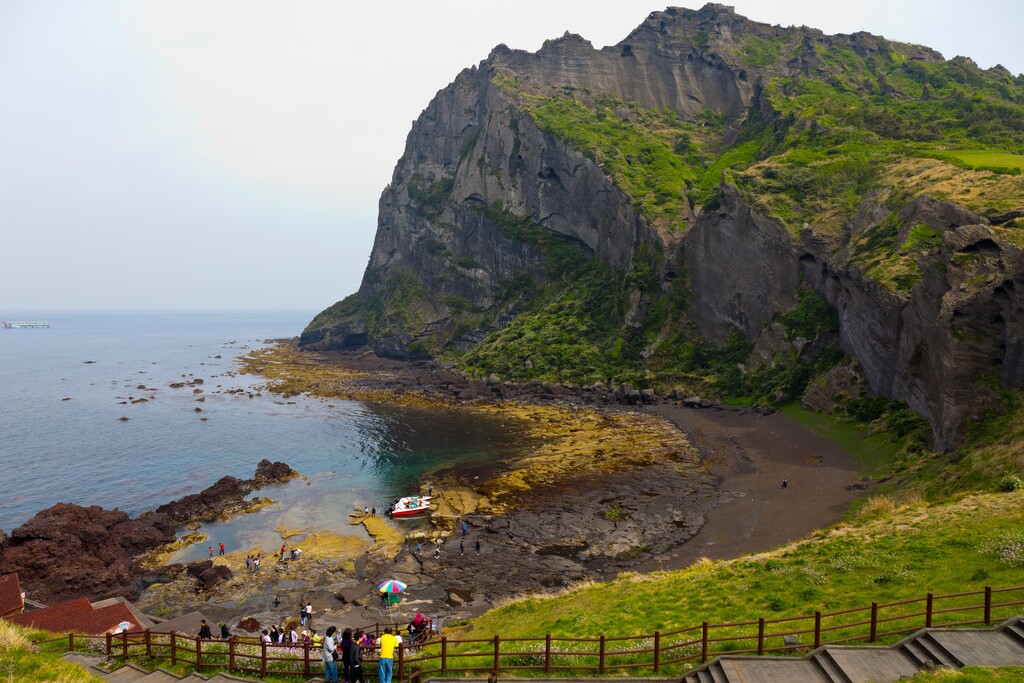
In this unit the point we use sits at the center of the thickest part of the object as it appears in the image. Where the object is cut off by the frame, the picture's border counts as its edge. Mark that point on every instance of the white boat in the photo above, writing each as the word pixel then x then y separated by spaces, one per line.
pixel 409 506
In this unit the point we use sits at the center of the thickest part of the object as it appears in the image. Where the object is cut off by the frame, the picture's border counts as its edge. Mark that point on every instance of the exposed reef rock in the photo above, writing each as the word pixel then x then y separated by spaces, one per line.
pixel 929 290
pixel 69 551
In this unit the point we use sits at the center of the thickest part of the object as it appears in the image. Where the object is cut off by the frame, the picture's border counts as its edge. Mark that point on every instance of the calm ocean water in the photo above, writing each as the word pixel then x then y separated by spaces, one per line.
pixel 79 451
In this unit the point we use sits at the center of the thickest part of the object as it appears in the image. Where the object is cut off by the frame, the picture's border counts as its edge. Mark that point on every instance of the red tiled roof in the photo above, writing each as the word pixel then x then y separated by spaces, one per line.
pixel 101 621
pixel 10 595
pixel 40 618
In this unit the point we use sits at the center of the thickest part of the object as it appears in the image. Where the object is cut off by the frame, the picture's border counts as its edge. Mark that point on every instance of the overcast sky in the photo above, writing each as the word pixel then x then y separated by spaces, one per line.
pixel 229 155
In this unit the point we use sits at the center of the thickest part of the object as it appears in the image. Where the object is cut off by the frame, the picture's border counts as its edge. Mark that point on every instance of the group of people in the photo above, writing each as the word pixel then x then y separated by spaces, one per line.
pixel 289 636
pixel 206 634
pixel 210 548
pixel 348 649
pixel 295 552
pixel 252 562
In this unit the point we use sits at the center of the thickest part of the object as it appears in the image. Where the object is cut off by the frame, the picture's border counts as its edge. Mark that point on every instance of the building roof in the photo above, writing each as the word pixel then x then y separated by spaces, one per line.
pixel 80 617
pixel 11 599
pixel 186 624
pixel 143 620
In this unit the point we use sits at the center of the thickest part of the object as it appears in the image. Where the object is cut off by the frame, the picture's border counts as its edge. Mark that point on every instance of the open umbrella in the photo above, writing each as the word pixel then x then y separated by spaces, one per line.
pixel 392 586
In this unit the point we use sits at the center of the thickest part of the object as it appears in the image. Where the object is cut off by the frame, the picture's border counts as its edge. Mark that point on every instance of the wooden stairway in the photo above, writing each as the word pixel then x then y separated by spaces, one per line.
pixel 928 648
pixel 130 673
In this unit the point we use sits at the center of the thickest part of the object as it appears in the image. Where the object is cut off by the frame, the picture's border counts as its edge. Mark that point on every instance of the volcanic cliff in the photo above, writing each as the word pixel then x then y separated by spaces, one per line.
pixel 712 203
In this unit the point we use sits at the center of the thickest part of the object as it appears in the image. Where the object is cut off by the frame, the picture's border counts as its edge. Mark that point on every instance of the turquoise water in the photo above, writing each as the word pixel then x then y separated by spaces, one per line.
pixel 79 451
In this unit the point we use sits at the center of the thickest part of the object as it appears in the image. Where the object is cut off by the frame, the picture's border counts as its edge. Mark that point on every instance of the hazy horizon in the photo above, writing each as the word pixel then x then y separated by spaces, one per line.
pixel 202 157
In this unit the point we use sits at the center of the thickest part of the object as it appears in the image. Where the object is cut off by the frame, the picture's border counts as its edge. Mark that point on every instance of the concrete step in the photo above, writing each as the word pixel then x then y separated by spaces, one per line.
pixel 1015 630
pixel 863 664
pixel 980 648
pixel 160 676
pixel 128 673
pixel 833 672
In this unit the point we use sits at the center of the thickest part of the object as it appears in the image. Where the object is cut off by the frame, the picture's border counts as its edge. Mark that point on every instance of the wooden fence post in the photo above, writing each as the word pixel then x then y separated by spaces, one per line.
pixel 444 655
pixel 547 653
pixel 400 658
pixel 760 636
pixel 600 656
pixel 71 641
pixel 497 652
pixel 704 642
pixel 305 656
pixel 988 605
pixel 149 643
pixel 199 654
pixel 231 652
pixel 928 611
pixel 817 629
pixel 263 660
pixel 657 651
pixel 174 648
pixel 124 646
pixel 109 646
pixel 874 621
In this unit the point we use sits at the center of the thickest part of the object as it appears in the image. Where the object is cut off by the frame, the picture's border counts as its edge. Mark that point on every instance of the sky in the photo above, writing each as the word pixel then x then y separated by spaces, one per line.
pixel 204 155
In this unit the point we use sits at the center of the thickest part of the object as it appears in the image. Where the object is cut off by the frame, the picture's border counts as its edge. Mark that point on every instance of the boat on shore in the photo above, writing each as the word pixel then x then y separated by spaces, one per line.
pixel 29 325
pixel 410 506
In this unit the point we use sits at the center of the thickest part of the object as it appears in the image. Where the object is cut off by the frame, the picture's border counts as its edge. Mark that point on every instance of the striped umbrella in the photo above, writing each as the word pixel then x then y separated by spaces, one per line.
pixel 392 586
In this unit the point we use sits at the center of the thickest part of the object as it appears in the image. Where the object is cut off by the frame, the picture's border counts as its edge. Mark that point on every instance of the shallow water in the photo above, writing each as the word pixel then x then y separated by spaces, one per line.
pixel 79 451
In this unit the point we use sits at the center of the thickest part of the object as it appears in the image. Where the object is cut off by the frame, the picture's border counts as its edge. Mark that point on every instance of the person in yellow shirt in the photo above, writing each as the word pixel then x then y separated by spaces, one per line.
pixel 387 653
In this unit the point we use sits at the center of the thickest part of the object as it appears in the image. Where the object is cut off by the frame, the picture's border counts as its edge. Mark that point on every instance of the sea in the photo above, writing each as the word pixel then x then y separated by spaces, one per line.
pixel 65 389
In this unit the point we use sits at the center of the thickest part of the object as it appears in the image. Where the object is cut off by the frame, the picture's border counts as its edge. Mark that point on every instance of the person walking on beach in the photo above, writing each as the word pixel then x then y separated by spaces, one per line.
pixel 283 548
pixel 211 552
pixel 327 656
pixel 387 653
pixel 221 548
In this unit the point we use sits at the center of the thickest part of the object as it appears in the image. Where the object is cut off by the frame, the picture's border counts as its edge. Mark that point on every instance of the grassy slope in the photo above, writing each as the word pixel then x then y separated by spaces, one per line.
pixel 891 553
pixel 21 663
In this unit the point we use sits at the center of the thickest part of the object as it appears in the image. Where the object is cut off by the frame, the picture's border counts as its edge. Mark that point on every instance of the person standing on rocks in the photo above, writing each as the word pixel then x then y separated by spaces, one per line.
pixel 462 547
pixel 328 656
pixel 222 549
pixel 478 546
pixel 211 552
pixel 309 613
pixel 464 529
pixel 387 653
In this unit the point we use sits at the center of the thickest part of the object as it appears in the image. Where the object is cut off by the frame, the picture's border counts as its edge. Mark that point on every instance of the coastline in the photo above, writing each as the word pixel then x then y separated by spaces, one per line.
pixel 606 488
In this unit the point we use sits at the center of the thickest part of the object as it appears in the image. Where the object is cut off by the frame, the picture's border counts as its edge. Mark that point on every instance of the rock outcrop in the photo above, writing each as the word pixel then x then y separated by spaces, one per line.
pixel 447 265
pixel 69 551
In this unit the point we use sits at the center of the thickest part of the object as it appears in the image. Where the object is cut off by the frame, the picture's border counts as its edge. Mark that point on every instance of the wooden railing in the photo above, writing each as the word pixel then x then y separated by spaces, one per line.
pixel 655 653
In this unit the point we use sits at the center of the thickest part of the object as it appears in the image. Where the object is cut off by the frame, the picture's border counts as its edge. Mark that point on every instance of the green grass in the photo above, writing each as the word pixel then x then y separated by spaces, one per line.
pixel 971 674
pixel 19 661
pixel 985 159
pixel 891 553
pixel 874 451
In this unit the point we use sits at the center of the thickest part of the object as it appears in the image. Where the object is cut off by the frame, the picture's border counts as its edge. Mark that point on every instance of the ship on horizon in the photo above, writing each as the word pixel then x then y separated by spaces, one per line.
pixel 25 325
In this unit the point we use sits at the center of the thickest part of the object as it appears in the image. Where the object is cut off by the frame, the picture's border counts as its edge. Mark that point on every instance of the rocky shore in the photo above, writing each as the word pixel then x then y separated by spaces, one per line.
pixel 69 551
pixel 616 480
pixel 591 501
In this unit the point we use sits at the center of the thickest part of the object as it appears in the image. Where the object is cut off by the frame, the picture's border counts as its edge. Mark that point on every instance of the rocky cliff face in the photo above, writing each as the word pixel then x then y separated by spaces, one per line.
pixel 498 151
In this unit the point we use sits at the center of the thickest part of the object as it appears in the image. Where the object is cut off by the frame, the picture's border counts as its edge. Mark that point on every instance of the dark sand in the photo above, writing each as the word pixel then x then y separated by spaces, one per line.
pixel 753 454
